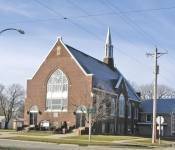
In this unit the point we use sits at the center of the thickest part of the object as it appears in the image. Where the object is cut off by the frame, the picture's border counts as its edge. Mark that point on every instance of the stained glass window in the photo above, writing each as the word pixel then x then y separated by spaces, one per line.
pixel 121 106
pixel 57 92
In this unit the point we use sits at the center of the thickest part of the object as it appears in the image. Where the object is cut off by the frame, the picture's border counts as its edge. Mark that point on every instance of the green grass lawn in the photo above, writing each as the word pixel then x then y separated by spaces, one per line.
pixel 67 141
pixel 107 138
pixel 102 140
pixel 35 133
pixel 7 130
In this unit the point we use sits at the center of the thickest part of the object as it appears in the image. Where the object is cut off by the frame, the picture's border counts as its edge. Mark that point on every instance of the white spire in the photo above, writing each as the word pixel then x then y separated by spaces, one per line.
pixel 108 38
pixel 108 45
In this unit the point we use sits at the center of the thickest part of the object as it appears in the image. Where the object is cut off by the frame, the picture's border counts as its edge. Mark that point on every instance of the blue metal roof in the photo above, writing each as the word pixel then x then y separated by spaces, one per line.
pixel 103 76
pixel 163 106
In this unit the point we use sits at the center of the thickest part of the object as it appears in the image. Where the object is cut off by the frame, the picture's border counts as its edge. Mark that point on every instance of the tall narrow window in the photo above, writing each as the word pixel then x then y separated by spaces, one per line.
pixel 136 113
pixel 148 118
pixel 121 106
pixel 112 106
pixel 57 92
pixel 129 110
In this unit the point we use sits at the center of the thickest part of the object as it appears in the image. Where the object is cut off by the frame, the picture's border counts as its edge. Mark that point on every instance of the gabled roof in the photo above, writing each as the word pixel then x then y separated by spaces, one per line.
pixel 131 92
pixel 103 76
pixel 163 106
pixel 92 65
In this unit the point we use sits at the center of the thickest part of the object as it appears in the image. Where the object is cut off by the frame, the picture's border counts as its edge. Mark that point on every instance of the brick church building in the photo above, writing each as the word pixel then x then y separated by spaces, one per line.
pixel 69 85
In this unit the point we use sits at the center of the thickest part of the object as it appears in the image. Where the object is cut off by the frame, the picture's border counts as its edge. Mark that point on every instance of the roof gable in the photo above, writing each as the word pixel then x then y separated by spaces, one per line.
pixel 92 65
pixel 103 76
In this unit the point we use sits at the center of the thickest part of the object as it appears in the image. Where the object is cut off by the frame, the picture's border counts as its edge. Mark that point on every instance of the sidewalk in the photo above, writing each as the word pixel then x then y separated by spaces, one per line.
pixel 4 135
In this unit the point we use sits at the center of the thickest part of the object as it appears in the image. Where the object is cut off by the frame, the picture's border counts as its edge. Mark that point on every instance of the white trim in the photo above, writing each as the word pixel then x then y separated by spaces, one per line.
pixel 105 91
pixel 58 110
pixel 81 109
pixel 44 60
pixel 33 111
pixel 119 82
pixel 60 39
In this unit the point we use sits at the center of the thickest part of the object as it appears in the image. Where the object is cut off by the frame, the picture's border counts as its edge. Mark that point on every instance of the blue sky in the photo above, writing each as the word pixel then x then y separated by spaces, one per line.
pixel 134 32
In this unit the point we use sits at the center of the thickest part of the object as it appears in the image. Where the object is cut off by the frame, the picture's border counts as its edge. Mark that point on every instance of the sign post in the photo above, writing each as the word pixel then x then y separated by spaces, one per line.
pixel 160 121
pixel 90 112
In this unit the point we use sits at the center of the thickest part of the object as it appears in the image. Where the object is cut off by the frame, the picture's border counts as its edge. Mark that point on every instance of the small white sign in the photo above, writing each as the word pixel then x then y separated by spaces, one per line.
pixel 45 124
pixel 160 120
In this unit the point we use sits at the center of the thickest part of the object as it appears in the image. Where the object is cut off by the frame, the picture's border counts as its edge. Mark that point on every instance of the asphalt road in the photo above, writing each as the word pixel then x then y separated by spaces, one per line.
pixel 28 145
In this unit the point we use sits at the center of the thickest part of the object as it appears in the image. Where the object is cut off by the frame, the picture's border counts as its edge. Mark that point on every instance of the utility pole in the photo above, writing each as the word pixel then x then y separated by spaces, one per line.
pixel 156 55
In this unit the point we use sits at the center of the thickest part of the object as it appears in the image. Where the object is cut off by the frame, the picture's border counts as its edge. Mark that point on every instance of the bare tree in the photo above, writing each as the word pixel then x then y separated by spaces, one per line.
pixel 11 99
pixel 163 91
pixel 1 97
pixel 101 108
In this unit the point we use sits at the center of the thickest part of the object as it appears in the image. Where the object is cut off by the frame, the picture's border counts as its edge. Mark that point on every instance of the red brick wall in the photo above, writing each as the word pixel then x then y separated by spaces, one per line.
pixel 79 90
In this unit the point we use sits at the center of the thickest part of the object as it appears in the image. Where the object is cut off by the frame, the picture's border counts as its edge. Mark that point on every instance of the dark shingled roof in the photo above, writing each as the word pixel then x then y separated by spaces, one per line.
pixel 103 76
pixel 163 106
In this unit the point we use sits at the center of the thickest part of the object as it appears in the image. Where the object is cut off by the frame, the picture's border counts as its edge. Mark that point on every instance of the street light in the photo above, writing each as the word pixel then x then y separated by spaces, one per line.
pixel 18 30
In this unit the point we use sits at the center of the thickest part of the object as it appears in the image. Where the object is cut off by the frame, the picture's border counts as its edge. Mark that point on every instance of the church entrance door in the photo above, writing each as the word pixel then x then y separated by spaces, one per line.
pixel 33 115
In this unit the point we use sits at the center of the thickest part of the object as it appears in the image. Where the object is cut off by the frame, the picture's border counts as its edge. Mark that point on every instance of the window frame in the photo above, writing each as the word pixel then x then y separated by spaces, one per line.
pixel 147 118
pixel 136 111
pixel 113 107
pixel 129 109
pixel 122 103
pixel 57 92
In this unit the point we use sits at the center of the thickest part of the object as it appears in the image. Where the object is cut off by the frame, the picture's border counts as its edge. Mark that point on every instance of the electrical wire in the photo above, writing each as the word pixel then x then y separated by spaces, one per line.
pixel 79 26
pixel 101 23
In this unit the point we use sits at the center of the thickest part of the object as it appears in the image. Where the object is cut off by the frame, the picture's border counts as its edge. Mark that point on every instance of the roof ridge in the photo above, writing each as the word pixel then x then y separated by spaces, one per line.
pixel 89 56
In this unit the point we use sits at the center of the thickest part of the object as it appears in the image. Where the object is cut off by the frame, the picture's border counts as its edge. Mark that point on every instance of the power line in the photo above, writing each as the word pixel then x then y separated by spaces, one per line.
pixel 95 14
pixel 79 26
pixel 101 23
pixel 65 18
pixel 136 26
pixel 128 21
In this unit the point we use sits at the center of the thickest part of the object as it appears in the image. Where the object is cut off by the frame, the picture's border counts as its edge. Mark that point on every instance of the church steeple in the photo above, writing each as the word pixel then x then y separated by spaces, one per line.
pixel 108 59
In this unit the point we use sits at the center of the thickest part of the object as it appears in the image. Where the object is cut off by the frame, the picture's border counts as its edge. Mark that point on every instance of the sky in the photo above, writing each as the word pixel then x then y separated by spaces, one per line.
pixel 137 27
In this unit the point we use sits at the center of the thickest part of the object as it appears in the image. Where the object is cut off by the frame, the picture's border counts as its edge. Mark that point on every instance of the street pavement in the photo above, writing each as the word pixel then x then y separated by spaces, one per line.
pixel 28 145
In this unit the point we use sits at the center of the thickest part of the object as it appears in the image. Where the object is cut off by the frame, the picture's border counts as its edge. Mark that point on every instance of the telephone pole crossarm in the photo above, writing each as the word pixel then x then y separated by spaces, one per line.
pixel 160 54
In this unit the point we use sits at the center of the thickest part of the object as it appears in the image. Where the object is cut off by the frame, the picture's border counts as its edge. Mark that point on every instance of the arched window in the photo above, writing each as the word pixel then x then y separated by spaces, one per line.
pixel 112 106
pixel 34 109
pixel 81 109
pixel 129 110
pixel 57 92
pixel 121 106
